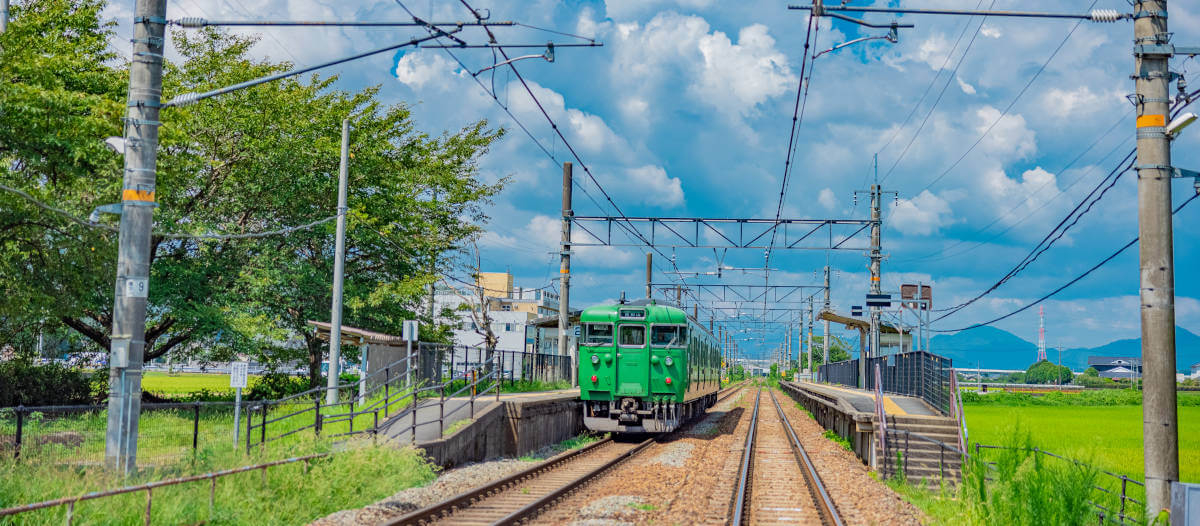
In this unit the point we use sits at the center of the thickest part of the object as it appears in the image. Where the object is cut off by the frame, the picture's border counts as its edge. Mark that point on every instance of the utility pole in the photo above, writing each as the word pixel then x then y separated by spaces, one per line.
pixel 825 323
pixel 811 368
pixel 3 15
pixel 339 269
pixel 1156 262
pixel 564 275
pixel 137 220
pixel 649 271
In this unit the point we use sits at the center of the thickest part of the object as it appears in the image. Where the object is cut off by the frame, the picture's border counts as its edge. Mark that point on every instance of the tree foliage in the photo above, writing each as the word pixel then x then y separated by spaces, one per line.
pixel 1044 372
pixel 256 160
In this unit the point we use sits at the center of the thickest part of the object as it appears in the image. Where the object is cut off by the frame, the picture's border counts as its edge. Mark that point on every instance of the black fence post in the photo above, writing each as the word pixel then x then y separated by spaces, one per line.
pixel 20 431
pixel 387 380
pixel 195 427
pixel 317 417
pixel 263 440
pixel 249 426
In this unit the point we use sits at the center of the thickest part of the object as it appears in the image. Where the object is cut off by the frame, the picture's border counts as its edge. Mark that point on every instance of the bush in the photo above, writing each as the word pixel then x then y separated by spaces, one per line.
pixel 273 386
pixel 26 383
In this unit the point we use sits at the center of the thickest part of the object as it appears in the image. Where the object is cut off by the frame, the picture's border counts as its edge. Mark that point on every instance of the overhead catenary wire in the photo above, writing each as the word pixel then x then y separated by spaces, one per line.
pixel 1067 284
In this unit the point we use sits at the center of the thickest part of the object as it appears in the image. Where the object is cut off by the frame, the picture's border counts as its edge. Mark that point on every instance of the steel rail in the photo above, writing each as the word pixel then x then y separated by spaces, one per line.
pixel 464 500
pixel 744 482
pixel 825 505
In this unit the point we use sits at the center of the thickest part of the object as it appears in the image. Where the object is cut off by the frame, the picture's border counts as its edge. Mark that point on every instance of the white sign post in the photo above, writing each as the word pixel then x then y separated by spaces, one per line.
pixel 409 335
pixel 238 375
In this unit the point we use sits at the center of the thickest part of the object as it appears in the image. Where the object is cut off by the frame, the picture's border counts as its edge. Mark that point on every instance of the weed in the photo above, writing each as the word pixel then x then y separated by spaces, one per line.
pixel 831 435
pixel 643 507
pixel 456 426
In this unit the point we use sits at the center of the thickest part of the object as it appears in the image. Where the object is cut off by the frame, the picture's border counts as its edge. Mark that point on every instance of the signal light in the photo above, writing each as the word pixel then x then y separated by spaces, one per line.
pixel 593 378
pixel 668 380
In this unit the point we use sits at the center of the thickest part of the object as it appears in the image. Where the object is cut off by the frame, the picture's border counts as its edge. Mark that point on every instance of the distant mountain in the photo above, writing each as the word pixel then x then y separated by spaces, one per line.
pixel 993 348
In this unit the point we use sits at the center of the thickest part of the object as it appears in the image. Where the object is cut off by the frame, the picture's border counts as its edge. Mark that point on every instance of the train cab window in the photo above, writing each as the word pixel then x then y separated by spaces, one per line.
pixel 597 334
pixel 633 336
pixel 668 336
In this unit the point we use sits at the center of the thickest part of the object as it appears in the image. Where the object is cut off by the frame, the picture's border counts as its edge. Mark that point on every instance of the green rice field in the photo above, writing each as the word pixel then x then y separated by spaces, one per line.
pixel 170 385
pixel 1109 437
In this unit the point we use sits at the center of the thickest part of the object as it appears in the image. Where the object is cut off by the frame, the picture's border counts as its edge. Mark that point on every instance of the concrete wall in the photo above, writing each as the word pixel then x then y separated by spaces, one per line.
pixel 511 428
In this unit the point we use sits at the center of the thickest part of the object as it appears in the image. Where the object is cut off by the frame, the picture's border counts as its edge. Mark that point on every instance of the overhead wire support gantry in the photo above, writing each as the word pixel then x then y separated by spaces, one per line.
pixel 702 232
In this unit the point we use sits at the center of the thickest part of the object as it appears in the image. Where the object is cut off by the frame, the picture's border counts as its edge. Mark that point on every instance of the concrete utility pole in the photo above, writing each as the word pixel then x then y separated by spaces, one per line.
pixel 1156 261
pixel 564 275
pixel 3 15
pixel 825 323
pixel 811 368
pixel 649 271
pixel 137 220
pixel 339 268
pixel 876 256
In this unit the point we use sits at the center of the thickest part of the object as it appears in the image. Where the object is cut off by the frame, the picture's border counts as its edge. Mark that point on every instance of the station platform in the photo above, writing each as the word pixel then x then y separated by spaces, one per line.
pixel 863 401
pixel 457 409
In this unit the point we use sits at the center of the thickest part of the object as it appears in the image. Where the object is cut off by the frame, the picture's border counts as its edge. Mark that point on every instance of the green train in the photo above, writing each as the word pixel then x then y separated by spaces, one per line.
pixel 645 367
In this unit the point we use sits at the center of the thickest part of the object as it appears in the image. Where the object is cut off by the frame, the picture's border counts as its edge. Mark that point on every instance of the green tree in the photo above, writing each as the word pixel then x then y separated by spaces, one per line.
pixel 256 160
pixel 1044 372
pixel 1091 371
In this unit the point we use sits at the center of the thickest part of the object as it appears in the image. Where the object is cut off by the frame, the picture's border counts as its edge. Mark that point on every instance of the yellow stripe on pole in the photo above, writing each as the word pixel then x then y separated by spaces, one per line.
pixel 1151 121
pixel 137 195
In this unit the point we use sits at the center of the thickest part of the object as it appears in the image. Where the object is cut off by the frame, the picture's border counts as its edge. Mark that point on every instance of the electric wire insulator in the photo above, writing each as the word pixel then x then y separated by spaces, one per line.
pixel 192 22
pixel 184 99
pixel 1106 15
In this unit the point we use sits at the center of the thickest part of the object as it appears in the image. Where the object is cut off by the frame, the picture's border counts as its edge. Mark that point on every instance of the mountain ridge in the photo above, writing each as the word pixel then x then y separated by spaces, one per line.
pixel 994 348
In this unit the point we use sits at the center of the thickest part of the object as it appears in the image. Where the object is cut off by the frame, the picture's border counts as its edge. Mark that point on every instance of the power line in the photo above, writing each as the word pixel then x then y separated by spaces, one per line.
pixel 1069 283
pixel 953 74
pixel 1057 232
pixel 1011 103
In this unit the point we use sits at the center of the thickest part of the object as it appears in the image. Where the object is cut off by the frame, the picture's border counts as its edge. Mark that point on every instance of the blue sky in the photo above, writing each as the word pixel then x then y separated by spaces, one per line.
pixel 686 110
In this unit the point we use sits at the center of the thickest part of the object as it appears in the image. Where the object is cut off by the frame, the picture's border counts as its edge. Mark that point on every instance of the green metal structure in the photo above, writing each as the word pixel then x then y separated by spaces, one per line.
pixel 645 367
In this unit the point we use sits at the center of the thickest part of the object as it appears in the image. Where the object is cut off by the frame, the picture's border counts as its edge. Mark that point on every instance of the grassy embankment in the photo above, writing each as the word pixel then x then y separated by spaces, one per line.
pixel 1100 428
pixel 289 494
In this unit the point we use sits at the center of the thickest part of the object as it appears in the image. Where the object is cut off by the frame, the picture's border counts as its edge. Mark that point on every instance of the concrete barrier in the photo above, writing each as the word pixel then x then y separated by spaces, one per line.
pixel 511 428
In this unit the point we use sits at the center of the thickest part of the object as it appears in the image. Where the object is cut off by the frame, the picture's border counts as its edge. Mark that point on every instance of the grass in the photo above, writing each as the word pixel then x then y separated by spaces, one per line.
pixel 1110 437
pixel 360 473
pixel 174 385
pixel 457 425
pixel 574 442
pixel 1098 397
pixel 643 507
pixel 1021 488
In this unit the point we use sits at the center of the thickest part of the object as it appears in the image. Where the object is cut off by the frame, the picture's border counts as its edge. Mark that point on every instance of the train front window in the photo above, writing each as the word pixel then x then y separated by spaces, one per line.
pixel 668 336
pixel 633 336
pixel 597 334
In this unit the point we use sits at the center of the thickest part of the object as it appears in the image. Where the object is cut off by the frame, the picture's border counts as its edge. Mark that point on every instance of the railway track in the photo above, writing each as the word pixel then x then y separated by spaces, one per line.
pixel 523 495
pixel 777 482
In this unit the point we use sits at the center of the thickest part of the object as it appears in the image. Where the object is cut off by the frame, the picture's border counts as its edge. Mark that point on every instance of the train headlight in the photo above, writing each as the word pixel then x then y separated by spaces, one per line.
pixel 595 359
pixel 668 361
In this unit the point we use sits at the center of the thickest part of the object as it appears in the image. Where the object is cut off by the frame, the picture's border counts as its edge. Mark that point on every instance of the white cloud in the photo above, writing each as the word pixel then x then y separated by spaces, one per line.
pixel 827 199
pixel 582 129
pixel 656 188
pixel 922 215
pixel 1066 103
pixel 967 88
pixel 1016 200
pixel 1009 139
pixel 746 73
pixel 417 70
pixel 990 31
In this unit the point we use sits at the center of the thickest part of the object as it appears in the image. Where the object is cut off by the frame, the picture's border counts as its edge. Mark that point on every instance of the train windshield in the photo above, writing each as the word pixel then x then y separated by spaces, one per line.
pixel 633 335
pixel 597 334
pixel 668 335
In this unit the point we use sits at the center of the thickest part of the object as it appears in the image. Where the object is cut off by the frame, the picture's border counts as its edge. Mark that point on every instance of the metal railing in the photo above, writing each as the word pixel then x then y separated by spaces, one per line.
pixel 919 373
pixel 149 488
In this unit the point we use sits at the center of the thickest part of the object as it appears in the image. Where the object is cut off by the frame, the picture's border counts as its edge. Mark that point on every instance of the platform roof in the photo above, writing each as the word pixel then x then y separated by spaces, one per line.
pixel 356 336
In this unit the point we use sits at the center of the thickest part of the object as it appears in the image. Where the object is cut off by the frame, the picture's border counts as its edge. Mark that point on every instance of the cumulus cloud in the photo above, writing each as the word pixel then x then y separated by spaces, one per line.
pixel 966 88
pixel 1069 102
pixel 1009 139
pixel 1017 199
pixel 734 79
pixel 655 187
pixel 583 129
pixel 418 70
pixel 827 199
pixel 922 215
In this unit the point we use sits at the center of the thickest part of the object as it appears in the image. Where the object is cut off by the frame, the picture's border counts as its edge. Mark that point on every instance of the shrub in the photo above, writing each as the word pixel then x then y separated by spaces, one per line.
pixel 26 383
pixel 273 386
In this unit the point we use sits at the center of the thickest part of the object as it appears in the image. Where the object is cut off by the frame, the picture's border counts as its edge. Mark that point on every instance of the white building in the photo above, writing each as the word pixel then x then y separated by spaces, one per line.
pixel 509 308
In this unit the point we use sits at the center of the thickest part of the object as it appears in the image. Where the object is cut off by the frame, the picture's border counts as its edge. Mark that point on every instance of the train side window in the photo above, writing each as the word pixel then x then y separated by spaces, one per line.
pixel 597 334
pixel 668 336
pixel 633 336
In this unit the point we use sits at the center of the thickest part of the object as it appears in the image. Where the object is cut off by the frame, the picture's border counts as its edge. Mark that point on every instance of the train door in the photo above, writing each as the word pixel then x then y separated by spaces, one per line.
pixel 633 361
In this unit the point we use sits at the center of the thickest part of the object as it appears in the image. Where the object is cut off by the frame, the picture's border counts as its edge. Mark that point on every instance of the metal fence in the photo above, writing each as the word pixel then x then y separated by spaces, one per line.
pixel 921 374
pixel 169 432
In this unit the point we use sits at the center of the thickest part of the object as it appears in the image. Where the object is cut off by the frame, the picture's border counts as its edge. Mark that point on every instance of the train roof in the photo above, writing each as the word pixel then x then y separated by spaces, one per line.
pixel 655 313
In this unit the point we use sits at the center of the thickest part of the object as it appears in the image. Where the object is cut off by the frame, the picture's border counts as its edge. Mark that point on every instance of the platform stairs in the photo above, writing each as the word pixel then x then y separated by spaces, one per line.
pixel 927 449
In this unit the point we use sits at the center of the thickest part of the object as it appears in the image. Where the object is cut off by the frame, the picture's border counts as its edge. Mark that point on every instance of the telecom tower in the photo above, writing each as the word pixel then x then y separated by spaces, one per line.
pixel 1041 333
